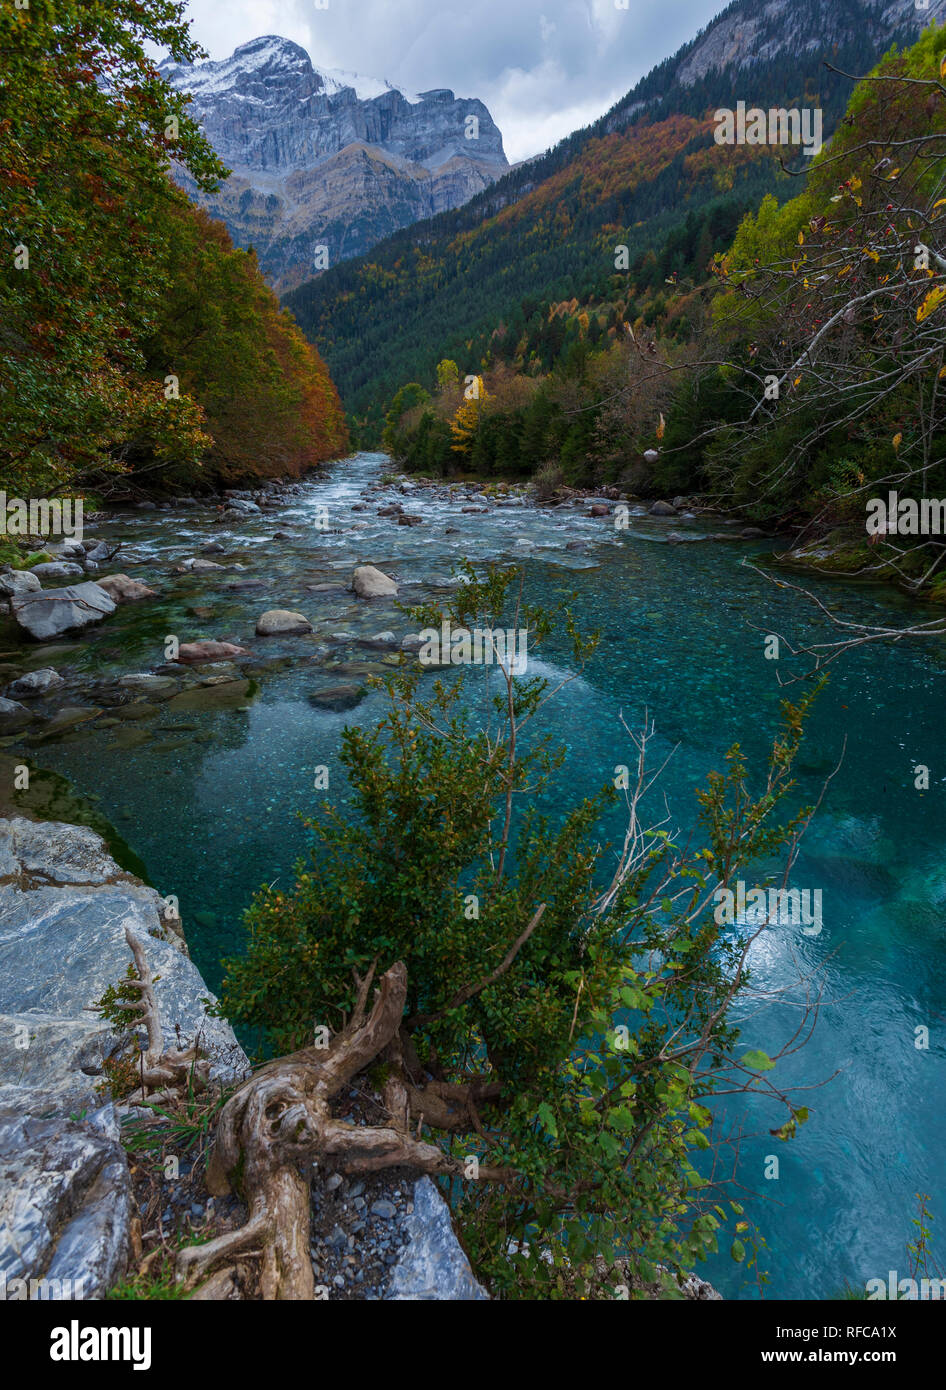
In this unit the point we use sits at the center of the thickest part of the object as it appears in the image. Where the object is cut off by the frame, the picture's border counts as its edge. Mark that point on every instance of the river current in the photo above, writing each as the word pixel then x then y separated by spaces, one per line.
pixel 208 798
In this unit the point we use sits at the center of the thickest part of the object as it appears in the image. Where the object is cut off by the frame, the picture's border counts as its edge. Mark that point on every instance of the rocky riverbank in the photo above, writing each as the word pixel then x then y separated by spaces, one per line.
pixel 81 1208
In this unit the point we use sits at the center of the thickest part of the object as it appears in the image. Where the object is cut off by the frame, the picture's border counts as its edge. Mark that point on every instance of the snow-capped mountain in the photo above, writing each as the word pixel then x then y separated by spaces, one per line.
pixel 324 158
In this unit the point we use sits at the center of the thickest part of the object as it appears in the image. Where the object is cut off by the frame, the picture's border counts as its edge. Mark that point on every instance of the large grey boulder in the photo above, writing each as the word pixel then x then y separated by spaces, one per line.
pixel 432 1265
pixel 57 569
pixel 64 907
pixel 53 612
pixel 369 582
pixel 65 1199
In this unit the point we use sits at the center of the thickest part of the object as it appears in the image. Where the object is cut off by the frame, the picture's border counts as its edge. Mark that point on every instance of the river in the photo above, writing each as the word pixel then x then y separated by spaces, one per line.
pixel 208 798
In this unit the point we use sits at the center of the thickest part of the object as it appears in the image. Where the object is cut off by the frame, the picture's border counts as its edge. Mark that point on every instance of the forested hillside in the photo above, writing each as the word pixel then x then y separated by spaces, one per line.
pixel 478 283
pixel 801 376
pixel 139 349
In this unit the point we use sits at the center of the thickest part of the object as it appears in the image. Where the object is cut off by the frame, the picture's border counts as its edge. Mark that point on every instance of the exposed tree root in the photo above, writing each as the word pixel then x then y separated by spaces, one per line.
pixel 164 1074
pixel 279 1122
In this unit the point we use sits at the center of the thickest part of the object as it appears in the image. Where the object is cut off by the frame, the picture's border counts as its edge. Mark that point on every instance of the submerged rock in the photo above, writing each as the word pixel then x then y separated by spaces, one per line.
pixel 52 612
pixel 338 697
pixel 209 651
pixel 14 716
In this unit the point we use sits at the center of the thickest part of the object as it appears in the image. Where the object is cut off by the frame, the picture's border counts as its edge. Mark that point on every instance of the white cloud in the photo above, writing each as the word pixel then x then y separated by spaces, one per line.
pixel 543 67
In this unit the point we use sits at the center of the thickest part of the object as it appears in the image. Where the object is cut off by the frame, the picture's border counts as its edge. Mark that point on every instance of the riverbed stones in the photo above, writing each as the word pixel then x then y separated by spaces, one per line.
pixel 382 641
pixel 52 612
pixel 125 590
pixel 662 509
pixel 191 652
pixel 222 695
pixel 36 683
pixel 282 622
pixel 369 582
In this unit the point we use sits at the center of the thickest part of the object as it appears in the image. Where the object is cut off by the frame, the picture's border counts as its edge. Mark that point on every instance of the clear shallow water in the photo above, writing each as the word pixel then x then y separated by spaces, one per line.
pixel 208 800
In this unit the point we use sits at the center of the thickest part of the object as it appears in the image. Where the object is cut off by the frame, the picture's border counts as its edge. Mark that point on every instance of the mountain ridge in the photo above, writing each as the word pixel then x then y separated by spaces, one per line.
pixel 276 119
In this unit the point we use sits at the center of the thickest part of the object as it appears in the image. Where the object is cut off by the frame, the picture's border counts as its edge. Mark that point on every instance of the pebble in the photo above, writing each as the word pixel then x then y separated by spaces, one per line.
pixel 384 1209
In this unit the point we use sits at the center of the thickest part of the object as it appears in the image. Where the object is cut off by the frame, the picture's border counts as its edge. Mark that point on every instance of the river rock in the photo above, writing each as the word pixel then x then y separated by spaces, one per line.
pixel 379 640
pixel 600 509
pixel 199 566
pixel 281 621
pixel 14 716
pixel 212 548
pixel 66 1198
pixel 63 911
pixel 662 509
pixel 338 697
pixel 57 569
pixel 209 651
pixel 432 1265
pixel 52 612
pixel 408 519
pixel 146 683
pixel 36 683
pixel 369 582
pixel 18 582
pixel 125 590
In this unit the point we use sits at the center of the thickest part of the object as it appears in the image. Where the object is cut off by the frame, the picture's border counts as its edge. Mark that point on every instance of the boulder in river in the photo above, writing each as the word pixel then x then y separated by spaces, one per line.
pixel 338 697
pixel 19 582
pixel 58 569
pixel 379 639
pixel 209 651
pixel 36 683
pixel 125 590
pixel 662 509
pixel 14 716
pixel 52 612
pixel 369 582
pixel 282 622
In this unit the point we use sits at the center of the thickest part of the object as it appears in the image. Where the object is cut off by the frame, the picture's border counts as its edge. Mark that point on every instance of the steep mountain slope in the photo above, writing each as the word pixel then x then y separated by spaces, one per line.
pixel 331 159
pixel 547 231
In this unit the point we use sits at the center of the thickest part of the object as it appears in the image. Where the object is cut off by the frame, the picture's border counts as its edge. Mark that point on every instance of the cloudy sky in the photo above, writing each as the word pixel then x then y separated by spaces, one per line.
pixel 543 67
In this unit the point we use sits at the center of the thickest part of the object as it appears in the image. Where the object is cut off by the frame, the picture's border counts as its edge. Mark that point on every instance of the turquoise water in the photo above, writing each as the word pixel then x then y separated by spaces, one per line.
pixel 209 802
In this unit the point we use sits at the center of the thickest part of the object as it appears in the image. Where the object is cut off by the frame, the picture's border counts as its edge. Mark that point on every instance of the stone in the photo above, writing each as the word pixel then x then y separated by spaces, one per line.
pixel 384 1209
pixel 147 684
pixel 57 569
pixel 35 683
pixel 338 697
pixel 369 582
pixel 752 533
pixel 379 640
pixel 65 1198
pixel 53 612
pixel 281 621
pixel 412 642
pixel 600 509
pixel 431 1265
pixel 64 907
pixel 18 582
pixel 408 519
pixel 209 651
pixel 662 509
pixel 225 694
pixel 146 506
pixel 212 548
pixel 199 566
pixel 125 590
pixel 14 716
